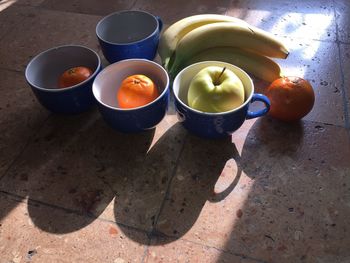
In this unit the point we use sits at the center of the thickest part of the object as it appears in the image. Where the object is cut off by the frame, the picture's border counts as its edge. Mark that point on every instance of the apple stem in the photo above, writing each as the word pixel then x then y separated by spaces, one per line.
pixel 217 82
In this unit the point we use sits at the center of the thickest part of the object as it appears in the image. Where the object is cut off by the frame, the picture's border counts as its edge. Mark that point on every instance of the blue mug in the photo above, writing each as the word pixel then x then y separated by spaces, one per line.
pixel 43 72
pixel 214 125
pixel 105 89
pixel 129 34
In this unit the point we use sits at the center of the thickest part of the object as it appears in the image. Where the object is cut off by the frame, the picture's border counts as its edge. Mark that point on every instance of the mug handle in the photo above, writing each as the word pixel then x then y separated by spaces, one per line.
pixel 259 113
pixel 160 22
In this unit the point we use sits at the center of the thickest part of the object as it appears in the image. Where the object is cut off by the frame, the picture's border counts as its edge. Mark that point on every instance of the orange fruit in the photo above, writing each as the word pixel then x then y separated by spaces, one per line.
pixel 291 98
pixel 136 91
pixel 73 76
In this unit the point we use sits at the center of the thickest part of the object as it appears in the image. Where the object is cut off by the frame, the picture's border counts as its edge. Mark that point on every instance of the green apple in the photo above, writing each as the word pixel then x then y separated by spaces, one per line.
pixel 215 89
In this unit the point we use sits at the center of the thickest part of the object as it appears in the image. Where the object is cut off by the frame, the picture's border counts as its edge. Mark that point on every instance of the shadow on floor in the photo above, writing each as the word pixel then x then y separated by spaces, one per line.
pixel 77 164
pixel 291 209
pixel 83 173
pixel 86 172
pixel 192 185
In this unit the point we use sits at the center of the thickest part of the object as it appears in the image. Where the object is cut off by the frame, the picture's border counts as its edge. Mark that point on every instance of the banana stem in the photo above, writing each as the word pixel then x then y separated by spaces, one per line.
pixel 170 61
pixel 166 63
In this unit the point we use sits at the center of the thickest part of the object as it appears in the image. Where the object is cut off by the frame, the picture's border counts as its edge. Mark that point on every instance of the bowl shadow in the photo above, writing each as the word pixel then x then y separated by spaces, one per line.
pixel 79 173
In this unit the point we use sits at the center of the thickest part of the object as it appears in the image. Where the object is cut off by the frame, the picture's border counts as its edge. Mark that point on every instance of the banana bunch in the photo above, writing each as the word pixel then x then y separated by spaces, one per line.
pixel 223 38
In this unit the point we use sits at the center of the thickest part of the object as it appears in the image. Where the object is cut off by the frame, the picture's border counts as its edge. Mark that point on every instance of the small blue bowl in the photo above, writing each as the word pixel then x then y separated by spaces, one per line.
pixel 44 70
pixel 129 34
pixel 214 125
pixel 107 83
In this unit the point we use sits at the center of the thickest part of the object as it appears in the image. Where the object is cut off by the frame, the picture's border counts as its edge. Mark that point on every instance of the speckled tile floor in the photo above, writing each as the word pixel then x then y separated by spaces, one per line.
pixel 73 190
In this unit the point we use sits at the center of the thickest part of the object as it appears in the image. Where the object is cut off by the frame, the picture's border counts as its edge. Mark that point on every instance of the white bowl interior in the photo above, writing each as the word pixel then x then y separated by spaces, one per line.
pixel 126 27
pixel 45 69
pixel 108 81
pixel 183 79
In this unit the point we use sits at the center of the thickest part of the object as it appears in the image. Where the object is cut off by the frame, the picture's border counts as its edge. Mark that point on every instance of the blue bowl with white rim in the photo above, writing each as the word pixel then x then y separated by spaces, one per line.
pixel 129 34
pixel 105 89
pixel 215 125
pixel 43 73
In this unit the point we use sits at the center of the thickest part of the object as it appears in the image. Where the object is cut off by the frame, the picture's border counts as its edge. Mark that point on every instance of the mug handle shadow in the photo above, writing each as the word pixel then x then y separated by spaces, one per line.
pixel 259 113
pixel 222 195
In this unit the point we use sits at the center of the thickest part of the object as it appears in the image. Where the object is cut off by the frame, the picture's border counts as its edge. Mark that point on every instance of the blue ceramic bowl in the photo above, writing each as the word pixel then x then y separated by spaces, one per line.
pixel 44 70
pixel 129 34
pixel 214 125
pixel 107 83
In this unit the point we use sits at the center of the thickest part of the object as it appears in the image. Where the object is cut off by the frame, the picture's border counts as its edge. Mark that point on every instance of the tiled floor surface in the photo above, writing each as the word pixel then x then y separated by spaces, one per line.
pixel 74 190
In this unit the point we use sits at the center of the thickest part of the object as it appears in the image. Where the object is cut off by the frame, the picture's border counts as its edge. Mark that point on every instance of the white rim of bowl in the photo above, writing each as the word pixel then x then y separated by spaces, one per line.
pixel 132 60
pixel 215 113
pixel 125 11
pixel 70 87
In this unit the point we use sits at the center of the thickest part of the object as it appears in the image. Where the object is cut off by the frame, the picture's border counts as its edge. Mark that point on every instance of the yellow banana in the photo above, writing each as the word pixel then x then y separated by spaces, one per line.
pixel 227 34
pixel 258 65
pixel 173 34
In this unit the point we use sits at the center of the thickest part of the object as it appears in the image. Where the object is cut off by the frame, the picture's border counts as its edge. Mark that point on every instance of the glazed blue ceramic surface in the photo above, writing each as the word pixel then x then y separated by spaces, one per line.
pixel 215 125
pixel 44 70
pixel 107 83
pixel 137 120
pixel 129 34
